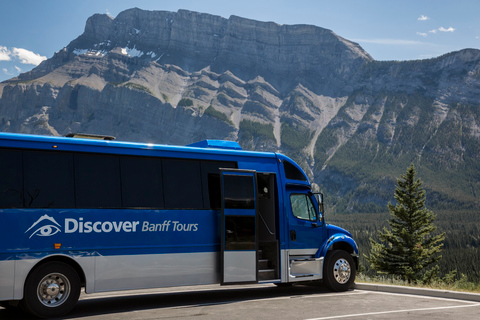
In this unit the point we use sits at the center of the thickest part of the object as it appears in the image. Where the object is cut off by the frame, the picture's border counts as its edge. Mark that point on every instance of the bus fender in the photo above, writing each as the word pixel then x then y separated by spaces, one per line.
pixel 341 240
pixel 23 267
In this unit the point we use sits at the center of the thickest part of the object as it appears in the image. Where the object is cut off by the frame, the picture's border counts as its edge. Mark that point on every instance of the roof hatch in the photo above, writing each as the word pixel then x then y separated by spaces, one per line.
pixel 216 144
pixel 89 136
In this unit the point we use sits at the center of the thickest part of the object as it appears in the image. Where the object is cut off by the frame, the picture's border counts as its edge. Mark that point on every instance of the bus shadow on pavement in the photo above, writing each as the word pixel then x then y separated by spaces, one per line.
pixel 92 306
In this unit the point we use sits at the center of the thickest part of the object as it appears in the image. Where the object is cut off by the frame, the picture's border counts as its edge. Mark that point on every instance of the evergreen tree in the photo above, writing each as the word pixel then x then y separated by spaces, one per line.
pixel 409 247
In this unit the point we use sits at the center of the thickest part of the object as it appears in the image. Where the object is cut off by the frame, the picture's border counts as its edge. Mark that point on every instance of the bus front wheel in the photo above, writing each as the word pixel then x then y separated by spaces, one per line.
pixel 339 270
pixel 51 290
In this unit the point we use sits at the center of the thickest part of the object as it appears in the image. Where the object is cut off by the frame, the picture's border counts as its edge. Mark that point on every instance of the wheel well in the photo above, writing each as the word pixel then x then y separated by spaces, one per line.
pixel 342 246
pixel 72 263
pixel 348 248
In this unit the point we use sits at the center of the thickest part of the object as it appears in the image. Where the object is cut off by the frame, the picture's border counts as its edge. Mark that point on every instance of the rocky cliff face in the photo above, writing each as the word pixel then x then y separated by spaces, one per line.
pixel 282 54
pixel 353 123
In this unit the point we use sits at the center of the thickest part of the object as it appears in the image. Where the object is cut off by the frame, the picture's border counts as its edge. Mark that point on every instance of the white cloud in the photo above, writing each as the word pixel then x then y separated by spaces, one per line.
pixel 442 29
pixel 8 73
pixel 423 18
pixel 27 56
pixel 446 30
pixel 4 54
pixel 18 69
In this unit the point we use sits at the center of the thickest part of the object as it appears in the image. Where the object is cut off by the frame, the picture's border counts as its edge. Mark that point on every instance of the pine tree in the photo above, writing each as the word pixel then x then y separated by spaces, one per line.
pixel 409 247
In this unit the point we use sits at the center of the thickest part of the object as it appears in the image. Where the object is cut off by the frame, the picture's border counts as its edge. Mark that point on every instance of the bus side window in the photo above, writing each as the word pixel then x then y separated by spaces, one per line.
pixel 48 180
pixel 11 179
pixel 239 192
pixel 211 182
pixel 214 191
pixel 182 184
pixel 302 207
pixel 292 172
pixel 97 181
pixel 142 182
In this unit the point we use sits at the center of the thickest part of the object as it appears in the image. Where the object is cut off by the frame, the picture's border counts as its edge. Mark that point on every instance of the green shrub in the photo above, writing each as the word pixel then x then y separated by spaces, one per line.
pixel 251 129
pixel 295 137
pixel 138 87
pixel 212 112
pixel 185 102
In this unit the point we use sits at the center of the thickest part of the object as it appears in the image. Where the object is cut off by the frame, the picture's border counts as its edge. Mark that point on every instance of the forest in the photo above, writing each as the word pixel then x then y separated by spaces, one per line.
pixel 461 250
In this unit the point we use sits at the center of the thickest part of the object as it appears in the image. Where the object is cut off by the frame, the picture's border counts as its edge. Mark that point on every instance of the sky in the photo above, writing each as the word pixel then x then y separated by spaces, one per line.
pixel 32 31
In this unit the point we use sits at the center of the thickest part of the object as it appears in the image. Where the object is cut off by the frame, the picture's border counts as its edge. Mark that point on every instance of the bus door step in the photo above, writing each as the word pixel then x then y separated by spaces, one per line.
pixel 266 274
pixel 305 275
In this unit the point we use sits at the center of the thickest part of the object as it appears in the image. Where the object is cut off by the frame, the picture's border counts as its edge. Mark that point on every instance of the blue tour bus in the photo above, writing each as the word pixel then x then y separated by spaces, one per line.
pixel 105 215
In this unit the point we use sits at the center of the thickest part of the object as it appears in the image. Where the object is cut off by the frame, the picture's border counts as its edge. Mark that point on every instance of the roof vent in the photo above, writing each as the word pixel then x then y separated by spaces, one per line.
pixel 216 144
pixel 89 136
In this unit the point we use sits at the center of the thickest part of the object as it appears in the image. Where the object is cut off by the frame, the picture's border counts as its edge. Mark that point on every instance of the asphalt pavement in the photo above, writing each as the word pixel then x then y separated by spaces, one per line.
pixel 266 301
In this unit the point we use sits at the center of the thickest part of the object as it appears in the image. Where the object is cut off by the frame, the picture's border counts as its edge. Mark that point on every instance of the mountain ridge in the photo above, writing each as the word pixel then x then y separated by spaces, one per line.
pixel 194 41
pixel 353 123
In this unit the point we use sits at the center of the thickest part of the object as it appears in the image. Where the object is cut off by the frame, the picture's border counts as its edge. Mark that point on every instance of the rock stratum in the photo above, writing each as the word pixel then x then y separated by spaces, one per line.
pixel 353 123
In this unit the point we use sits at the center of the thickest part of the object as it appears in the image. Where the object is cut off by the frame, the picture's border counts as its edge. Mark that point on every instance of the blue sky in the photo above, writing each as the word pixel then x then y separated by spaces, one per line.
pixel 32 30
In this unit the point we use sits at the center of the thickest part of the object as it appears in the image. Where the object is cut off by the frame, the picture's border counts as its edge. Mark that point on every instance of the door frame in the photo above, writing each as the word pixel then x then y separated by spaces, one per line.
pixel 239 263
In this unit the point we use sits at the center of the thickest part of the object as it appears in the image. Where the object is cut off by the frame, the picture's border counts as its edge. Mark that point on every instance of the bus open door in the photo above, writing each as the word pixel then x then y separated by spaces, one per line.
pixel 239 230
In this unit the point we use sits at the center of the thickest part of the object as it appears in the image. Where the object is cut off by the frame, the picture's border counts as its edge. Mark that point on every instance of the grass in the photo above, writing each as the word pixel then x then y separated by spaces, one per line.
pixel 113 83
pixel 461 285
pixel 185 102
pixel 295 136
pixel 212 112
pixel 253 129
pixel 138 87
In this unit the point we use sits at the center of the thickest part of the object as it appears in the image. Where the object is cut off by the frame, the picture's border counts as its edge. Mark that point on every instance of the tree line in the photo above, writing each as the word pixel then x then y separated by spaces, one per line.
pixel 413 243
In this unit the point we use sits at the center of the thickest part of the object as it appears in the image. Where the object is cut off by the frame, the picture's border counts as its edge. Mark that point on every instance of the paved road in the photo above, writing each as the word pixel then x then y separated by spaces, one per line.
pixel 262 302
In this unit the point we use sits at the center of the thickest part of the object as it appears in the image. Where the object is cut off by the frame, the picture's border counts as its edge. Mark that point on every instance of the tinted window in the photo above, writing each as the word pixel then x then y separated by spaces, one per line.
pixel 48 180
pixel 214 191
pixel 97 181
pixel 239 192
pixel 42 179
pixel 211 182
pixel 292 172
pixel 239 233
pixel 11 179
pixel 302 207
pixel 183 184
pixel 264 188
pixel 142 185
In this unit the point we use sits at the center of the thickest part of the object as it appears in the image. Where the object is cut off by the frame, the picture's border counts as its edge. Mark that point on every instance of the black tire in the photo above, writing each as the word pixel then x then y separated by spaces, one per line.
pixel 339 271
pixel 51 290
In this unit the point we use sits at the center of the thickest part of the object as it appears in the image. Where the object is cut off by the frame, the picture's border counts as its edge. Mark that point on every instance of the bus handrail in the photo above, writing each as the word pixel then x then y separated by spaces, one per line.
pixel 265 223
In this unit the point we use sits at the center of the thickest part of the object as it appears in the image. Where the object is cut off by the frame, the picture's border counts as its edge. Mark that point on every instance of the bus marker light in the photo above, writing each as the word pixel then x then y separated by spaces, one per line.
pixel 57 245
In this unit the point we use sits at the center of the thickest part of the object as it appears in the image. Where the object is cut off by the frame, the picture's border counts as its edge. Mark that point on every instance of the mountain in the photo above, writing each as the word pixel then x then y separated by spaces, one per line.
pixel 353 123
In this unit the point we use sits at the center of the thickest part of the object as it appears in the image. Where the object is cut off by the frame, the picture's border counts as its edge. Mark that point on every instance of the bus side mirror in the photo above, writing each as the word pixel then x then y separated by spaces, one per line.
pixel 320 206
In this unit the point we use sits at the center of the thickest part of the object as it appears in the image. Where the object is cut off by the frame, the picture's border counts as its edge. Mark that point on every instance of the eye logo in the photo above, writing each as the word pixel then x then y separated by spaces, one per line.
pixel 45 230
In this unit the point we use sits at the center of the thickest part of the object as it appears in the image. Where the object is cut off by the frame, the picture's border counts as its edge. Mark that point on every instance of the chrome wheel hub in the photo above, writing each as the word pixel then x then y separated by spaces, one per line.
pixel 53 290
pixel 341 271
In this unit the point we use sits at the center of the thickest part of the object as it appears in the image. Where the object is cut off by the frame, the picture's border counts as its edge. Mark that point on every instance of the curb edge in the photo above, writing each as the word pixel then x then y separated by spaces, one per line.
pixel 418 291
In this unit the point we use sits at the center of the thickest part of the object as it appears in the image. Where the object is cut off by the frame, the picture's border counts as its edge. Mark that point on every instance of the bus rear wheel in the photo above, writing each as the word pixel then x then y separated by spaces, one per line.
pixel 339 270
pixel 51 290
